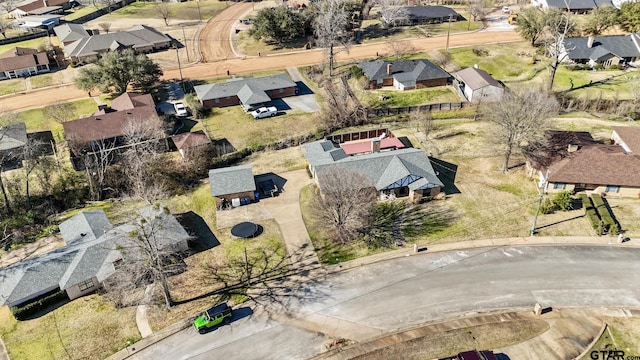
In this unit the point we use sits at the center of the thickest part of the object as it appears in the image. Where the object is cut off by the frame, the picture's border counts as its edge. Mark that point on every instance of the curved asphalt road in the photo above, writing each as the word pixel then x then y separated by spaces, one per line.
pixel 409 291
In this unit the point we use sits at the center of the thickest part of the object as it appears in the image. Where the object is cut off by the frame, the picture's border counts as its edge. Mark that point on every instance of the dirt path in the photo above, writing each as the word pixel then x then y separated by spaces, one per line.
pixel 215 38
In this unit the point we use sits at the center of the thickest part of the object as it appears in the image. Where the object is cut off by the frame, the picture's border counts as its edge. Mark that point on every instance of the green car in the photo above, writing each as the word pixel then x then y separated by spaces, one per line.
pixel 218 314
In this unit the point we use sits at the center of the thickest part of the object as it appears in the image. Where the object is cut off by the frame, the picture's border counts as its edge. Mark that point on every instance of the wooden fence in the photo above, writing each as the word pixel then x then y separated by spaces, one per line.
pixel 33 35
pixel 373 113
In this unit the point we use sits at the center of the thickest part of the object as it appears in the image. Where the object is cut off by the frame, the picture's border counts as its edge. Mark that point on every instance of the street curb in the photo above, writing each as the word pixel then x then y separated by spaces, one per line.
pixel 595 340
pixel 150 340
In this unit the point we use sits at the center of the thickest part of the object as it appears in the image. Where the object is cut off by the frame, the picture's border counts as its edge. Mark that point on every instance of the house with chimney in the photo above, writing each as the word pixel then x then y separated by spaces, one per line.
pixel 574 161
pixel 605 50
pixel 106 128
pixel 392 165
pixel 21 62
pixel 573 6
pixel 421 15
pixel 404 74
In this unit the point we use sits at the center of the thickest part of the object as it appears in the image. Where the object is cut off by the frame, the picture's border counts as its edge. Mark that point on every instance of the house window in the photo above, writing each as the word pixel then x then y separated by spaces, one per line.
pixel 559 186
pixel 612 188
pixel 281 90
pixel 217 100
pixel 86 285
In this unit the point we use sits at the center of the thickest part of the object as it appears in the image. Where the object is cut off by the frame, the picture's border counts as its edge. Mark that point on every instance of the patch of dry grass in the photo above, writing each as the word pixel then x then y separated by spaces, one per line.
pixel 87 328
pixel 451 342
pixel 621 334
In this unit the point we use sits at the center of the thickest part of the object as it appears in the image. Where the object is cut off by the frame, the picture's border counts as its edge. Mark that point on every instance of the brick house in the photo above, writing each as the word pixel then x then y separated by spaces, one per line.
pixel 404 74
pixel 23 62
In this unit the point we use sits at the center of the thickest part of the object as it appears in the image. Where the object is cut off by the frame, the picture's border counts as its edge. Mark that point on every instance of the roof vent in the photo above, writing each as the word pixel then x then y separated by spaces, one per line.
pixel 475 66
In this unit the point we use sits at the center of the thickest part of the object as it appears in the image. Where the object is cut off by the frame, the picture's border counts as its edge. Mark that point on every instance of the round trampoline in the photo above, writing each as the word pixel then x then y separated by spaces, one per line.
pixel 245 230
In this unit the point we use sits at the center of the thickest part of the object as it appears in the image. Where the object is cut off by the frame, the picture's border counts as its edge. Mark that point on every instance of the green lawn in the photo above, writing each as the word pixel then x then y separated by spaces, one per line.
pixel 586 83
pixel 182 10
pixel 39 43
pixel 498 60
pixel 11 86
pixel 78 12
pixel 88 328
pixel 395 98
pixel 36 121
pixel 42 80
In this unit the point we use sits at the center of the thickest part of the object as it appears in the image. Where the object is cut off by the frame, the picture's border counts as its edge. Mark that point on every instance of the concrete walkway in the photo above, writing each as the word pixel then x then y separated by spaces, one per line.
pixel 3 351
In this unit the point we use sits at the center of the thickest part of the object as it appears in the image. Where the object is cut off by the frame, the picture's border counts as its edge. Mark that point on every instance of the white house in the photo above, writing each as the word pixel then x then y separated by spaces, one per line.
pixel 478 86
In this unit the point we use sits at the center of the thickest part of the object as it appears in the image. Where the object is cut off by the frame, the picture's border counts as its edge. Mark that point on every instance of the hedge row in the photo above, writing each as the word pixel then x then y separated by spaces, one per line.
pixel 592 214
pixel 605 213
pixel 24 311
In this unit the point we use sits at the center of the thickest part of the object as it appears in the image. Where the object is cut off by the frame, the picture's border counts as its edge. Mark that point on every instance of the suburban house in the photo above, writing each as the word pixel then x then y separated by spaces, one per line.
pixel 576 162
pixel 248 92
pixel 108 125
pixel 574 6
pixel 22 62
pixel 40 7
pixel 92 246
pixel 419 15
pixel 477 85
pixel 395 169
pixel 188 144
pixel 603 50
pixel 234 182
pixel 404 74
pixel 80 46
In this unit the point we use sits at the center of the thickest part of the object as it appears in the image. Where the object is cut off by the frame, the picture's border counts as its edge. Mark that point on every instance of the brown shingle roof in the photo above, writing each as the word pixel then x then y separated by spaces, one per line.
pixel 556 146
pixel 599 165
pixel 40 4
pixel 22 58
pixel 112 124
pixel 128 101
pixel 191 139
pixel 631 137
pixel 476 78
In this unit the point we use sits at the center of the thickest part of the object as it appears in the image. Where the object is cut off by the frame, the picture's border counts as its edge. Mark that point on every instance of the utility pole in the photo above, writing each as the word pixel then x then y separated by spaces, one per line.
pixel 543 186
pixel 449 32
pixel 180 69
pixel 185 43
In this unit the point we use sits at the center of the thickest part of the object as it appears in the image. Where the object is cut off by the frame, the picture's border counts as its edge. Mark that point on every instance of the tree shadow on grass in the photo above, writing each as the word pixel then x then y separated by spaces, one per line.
pixel 377 31
pixel 428 219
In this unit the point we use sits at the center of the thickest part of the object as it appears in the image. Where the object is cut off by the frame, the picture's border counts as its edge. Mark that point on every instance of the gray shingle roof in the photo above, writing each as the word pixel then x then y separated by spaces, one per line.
pixel 623 46
pixel 430 12
pixel 139 36
pixel 85 226
pixel 577 4
pixel 476 78
pixel 70 32
pixel 403 70
pixel 249 86
pixel 382 168
pixel 231 180
pixel 13 136
pixel 81 260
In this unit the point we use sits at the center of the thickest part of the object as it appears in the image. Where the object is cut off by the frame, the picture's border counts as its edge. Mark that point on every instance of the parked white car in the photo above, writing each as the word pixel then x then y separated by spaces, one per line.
pixel 264 112
pixel 506 10
pixel 181 110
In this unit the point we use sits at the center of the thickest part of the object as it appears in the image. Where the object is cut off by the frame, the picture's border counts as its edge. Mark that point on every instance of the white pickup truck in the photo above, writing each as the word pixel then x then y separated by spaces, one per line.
pixel 264 112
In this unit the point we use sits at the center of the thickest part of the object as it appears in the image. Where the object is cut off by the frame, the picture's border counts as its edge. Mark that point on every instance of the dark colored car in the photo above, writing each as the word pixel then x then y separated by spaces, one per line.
pixel 477 355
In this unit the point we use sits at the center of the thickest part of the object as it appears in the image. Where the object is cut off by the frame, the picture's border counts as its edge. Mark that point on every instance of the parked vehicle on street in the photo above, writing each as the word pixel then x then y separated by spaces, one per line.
pixel 264 112
pixel 219 314
pixel 476 355
pixel 181 110
pixel 506 10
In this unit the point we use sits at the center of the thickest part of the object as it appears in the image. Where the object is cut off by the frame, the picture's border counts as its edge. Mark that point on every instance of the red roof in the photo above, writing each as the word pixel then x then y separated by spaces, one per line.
pixel 363 147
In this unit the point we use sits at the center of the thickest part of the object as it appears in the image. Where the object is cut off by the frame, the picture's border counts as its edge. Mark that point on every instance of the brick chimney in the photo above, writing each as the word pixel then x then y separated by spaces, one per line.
pixel 375 145
pixel 590 41
pixel 389 69
pixel 44 3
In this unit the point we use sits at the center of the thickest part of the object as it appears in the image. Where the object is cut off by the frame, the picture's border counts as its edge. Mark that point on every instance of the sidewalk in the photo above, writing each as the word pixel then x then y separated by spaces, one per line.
pixel 484 243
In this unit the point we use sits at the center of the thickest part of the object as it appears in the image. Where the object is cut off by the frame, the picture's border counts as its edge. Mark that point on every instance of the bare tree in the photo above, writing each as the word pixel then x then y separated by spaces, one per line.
pixel 344 107
pixel 147 255
pixel 164 12
pixel 105 26
pixel 424 121
pixel 4 26
pixel 31 154
pixel 557 30
pixel 477 9
pixel 143 139
pixel 401 48
pixel 393 12
pixel 60 112
pixel 7 153
pixel 519 119
pixel 331 27
pixel 8 5
pixel 95 157
pixel 345 202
